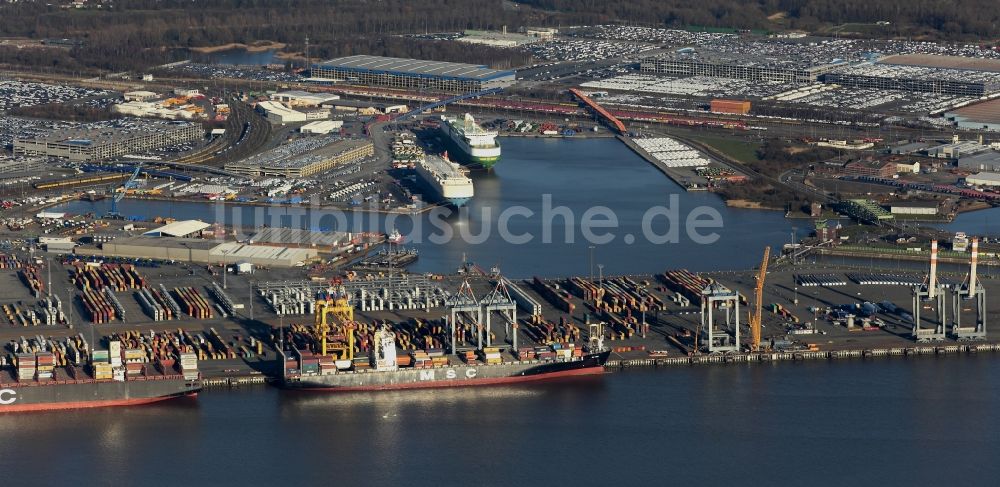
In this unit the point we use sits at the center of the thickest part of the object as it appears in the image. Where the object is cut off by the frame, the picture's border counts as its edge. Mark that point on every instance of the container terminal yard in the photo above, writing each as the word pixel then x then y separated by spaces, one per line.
pixel 275 140
pixel 236 319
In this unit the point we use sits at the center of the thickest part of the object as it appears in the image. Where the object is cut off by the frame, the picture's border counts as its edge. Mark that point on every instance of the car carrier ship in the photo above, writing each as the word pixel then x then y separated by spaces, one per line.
pixel 335 368
pixel 56 376
pixel 469 143
pixel 448 182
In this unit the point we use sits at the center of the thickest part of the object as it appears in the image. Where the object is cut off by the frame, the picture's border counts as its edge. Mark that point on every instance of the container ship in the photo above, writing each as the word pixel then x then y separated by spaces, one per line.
pixel 46 375
pixel 469 143
pixel 447 181
pixel 335 368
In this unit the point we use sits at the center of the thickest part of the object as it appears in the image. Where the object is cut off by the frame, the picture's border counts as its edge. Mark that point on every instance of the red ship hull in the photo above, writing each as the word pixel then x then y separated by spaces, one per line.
pixel 57 406
pixel 459 375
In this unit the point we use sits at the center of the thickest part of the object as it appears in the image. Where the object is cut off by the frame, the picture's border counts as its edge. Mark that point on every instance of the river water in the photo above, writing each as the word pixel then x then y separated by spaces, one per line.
pixel 923 421
pixel 881 422
pixel 569 176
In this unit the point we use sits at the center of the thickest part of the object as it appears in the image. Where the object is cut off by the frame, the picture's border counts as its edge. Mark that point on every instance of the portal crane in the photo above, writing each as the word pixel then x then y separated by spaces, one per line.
pixel 342 311
pixel 758 297
pixel 119 193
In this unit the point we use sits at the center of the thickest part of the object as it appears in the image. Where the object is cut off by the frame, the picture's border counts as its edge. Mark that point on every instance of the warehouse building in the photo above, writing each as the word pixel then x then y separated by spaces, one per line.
pixel 293 237
pixel 180 228
pixel 57 245
pixel 304 157
pixel 956 149
pixel 979 116
pixel 983 179
pixel 298 98
pixel 106 143
pixel 882 75
pixel 413 73
pixel 140 95
pixel 366 107
pixel 689 62
pixel 913 208
pixel 984 161
pixel 201 251
pixel 736 107
pixel 14 165
pixel 321 127
pixel 864 167
pixel 275 112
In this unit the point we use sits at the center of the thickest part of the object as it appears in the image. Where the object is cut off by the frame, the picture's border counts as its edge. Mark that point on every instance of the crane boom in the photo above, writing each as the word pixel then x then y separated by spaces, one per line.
pixel 119 195
pixel 758 302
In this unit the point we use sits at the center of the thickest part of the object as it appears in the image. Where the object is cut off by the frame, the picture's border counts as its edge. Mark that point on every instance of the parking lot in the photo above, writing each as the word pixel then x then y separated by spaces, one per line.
pixel 23 94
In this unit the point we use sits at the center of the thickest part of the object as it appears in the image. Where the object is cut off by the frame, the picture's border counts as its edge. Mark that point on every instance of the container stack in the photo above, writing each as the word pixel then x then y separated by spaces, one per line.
pixel 222 298
pixel 686 283
pixel 98 306
pixel 558 297
pixel 115 304
pixel 166 300
pixel 526 353
pixel 31 277
pixel 545 353
pixel 566 351
pixel 194 305
pixel 491 356
pixel 290 300
pixel 26 366
pixel 421 360
pixel 45 365
pixel 469 357
pixel 326 365
pixel 361 363
pixel 135 356
pixel 524 301
pixel 150 306
pixel 102 370
pixel 224 349
pixel 99 276
pixel 52 310
pixel 189 366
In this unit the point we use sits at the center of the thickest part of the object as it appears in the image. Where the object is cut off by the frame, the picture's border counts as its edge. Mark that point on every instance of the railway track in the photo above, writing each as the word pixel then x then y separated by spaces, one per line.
pixel 246 133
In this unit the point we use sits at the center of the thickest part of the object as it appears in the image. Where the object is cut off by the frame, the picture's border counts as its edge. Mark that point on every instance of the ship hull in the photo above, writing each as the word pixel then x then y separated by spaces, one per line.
pixel 438 194
pixel 83 395
pixel 450 376
pixel 472 157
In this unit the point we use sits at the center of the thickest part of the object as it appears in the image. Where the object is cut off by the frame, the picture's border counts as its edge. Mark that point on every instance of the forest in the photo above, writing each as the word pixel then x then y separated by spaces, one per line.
pixel 132 34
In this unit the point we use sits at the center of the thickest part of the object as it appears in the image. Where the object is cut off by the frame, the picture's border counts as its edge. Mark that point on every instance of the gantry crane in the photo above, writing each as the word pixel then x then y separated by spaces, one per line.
pixel 120 192
pixel 758 298
pixel 343 312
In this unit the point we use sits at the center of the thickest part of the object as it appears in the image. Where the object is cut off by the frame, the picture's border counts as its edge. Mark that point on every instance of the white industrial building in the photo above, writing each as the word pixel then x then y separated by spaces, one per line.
pixel 180 228
pixel 983 179
pixel 202 251
pixel 298 98
pixel 275 112
pixel 63 245
pixel 321 127
pixel 140 95
pixel 906 167
pixel 914 208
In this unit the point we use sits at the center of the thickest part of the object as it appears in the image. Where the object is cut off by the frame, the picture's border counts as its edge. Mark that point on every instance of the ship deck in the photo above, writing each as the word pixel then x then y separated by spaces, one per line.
pixel 63 376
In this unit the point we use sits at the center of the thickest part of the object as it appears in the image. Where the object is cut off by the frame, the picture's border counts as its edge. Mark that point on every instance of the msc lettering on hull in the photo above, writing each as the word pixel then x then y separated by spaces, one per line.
pixel 8 396
pixel 449 374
